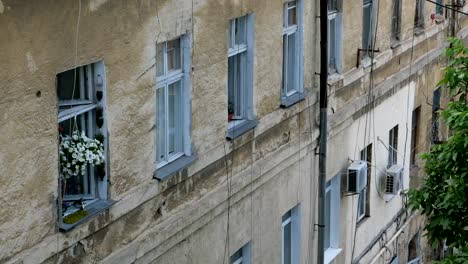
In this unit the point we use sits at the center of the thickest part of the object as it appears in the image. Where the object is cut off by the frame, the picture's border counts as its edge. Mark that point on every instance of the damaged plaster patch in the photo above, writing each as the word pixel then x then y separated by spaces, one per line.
pixel 31 63
pixel 2 8
pixel 95 4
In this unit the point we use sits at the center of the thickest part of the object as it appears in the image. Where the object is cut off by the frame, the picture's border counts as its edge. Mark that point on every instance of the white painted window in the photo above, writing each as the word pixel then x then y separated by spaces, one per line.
pixel 291 236
pixel 396 20
pixel 332 219
pixel 172 99
pixel 334 36
pixel 242 256
pixel 439 8
pixel 419 16
pixel 363 200
pixel 368 27
pixel 393 146
pixel 81 108
pixel 240 70
pixel 292 48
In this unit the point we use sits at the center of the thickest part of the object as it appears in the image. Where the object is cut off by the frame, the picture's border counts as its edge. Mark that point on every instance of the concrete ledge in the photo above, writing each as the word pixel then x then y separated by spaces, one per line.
pixel 93 210
pixel 173 167
pixel 241 129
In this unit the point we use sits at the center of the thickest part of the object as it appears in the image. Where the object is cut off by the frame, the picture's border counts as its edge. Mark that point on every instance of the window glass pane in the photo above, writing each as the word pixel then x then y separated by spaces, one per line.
pixel 160 59
pixel 174 118
pixel 79 185
pixel 285 64
pixel 65 88
pixel 235 84
pixel 173 55
pixel 287 244
pixel 366 29
pixel 362 203
pixel 232 29
pixel 161 124
pixel 241 30
pixel 332 5
pixel 292 63
pixel 237 257
pixel 292 13
pixel 327 220
pixel 332 43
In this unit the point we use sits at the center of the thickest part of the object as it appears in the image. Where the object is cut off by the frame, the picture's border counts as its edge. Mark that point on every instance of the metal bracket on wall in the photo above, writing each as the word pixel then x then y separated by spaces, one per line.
pixel 359 54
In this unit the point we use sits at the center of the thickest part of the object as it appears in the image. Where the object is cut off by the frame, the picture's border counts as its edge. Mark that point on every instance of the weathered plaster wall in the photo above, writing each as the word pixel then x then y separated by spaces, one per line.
pixel 150 218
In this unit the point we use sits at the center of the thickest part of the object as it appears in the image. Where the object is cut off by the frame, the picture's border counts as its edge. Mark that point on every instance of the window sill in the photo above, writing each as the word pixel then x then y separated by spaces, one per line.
pixel 93 210
pixel 418 31
pixel 241 129
pixel 291 100
pixel 173 167
pixel 331 254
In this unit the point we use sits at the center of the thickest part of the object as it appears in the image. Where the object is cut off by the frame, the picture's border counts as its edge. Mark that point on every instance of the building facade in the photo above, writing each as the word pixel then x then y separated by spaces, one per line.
pixel 201 118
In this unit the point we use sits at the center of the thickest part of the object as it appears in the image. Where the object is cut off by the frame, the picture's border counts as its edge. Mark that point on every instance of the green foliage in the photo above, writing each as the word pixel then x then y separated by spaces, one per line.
pixel 443 196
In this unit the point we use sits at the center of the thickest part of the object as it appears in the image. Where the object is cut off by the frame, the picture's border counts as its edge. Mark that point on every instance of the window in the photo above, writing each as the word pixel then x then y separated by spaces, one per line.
pixel 292 49
pixel 332 219
pixel 439 7
pixel 393 146
pixel 364 203
pixel 368 27
pixel 290 241
pixel 334 36
pixel 419 16
pixel 414 134
pixel 435 115
pixel 240 76
pixel 173 104
pixel 81 110
pixel 396 20
pixel 242 256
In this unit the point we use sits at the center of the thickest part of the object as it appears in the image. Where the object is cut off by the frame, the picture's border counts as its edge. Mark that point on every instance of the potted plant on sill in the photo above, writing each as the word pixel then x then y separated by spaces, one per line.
pixel 76 153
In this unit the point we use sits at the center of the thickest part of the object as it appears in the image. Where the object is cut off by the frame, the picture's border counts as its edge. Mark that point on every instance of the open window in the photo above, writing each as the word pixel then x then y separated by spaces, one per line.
pixel 83 148
pixel 240 77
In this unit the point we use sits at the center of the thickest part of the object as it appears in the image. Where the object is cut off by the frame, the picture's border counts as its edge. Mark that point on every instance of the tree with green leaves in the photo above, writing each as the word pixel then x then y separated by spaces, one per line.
pixel 443 196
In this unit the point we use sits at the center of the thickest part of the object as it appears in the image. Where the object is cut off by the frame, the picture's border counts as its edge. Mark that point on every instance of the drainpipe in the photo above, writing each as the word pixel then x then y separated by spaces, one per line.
pixel 323 127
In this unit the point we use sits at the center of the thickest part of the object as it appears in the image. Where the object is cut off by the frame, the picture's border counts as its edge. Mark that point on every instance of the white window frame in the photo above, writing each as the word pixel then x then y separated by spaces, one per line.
pixel 245 255
pixel 363 195
pixel 69 109
pixel 335 15
pixel 393 146
pixel 288 30
pixel 294 220
pixel 333 189
pixel 372 4
pixel 246 97
pixel 419 24
pixel 396 18
pixel 181 75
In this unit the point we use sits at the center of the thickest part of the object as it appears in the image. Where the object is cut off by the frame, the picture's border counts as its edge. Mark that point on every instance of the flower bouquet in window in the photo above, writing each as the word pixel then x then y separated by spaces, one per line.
pixel 77 152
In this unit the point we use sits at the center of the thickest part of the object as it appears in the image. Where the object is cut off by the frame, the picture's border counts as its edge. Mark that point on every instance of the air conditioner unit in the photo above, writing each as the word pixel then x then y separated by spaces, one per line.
pixel 392 180
pixel 357 176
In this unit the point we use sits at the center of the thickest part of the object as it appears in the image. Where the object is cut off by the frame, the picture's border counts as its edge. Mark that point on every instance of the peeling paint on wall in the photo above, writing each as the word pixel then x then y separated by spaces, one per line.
pixel 95 4
pixel 31 63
